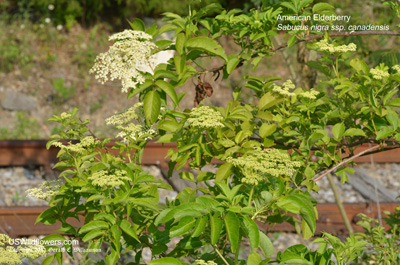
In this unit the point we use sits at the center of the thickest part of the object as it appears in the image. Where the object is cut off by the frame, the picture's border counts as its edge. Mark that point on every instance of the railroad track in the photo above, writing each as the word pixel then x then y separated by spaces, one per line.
pixel 19 221
pixel 23 153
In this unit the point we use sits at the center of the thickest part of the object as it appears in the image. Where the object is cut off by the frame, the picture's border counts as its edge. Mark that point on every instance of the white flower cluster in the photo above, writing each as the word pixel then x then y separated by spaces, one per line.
pixel 396 68
pixel 135 131
pixel 65 115
pixel 284 90
pixel 104 178
pixel 378 73
pixel 127 58
pixel 311 94
pixel 129 130
pixel 203 262
pixel 324 46
pixel 260 163
pixel 80 147
pixel 45 191
pixel 205 117
pixel 133 113
pixel 11 255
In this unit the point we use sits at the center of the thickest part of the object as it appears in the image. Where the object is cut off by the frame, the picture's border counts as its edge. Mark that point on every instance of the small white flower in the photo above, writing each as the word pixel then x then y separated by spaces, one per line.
pixel 378 73
pixel 396 68
pixel 205 117
pixel 47 20
pixel 324 46
pixel 59 27
pixel 284 90
pixel 51 7
pixel 22 26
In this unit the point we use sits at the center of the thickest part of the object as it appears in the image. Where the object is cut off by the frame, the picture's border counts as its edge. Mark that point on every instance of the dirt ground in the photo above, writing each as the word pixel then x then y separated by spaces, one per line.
pixel 55 73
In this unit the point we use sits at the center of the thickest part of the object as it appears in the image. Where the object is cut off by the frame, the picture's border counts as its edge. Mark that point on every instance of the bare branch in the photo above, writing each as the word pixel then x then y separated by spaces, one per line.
pixel 345 161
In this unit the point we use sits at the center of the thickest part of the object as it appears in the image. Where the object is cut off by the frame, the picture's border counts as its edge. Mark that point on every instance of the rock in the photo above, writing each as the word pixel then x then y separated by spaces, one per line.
pixel 14 100
pixel 365 185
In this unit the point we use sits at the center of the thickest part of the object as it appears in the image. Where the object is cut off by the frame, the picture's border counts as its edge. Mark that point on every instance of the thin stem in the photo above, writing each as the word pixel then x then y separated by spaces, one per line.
pixel 340 205
pixel 222 257
pixel 251 196
pixel 345 161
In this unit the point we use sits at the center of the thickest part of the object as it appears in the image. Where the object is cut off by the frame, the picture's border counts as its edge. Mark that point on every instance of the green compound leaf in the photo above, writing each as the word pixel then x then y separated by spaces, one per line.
pixel 208 45
pixel 151 106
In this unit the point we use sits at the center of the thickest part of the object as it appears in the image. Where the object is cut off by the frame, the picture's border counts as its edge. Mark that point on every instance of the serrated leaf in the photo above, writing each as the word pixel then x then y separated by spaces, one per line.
pixel 267 129
pixel 266 245
pixel 129 230
pixel 359 65
pixel 151 106
pixel 187 176
pixel 137 24
pixel 253 232
pixel 224 171
pixel 232 63
pixel 54 237
pixel 321 6
pixel 106 217
pixel 168 125
pixel 200 226
pixel 354 132
pixel 291 41
pixel 254 259
pixel 395 102
pixel 393 118
pixel 48 260
pixel 268 100
pixel 180 43
pixel 232 225
pixel 216 227
pixel 169 89
pixel 184 225
pixel 93 225
pixel 93 234
pixel 385 132
pixel 207 45
pixel 338 130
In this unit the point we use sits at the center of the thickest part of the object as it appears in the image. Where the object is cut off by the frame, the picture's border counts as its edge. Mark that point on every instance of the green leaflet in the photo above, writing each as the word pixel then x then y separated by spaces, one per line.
pixel 207 45
pixel 151 106
pixel 216 227
pixel 232 229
